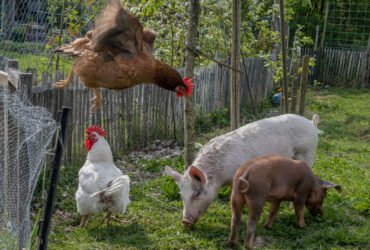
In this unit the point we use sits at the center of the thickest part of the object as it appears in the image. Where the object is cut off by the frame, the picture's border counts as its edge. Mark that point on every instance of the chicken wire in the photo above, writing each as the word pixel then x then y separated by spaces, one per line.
pixel 25 133
pixel 348 25
pixel 31 29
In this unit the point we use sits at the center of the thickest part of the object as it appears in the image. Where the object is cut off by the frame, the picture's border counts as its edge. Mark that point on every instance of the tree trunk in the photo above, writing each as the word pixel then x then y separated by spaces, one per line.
pixel 322 45
pixel 189 132
pixel 302 96
pixel 275 26
pixel 235 59
pixel 283 52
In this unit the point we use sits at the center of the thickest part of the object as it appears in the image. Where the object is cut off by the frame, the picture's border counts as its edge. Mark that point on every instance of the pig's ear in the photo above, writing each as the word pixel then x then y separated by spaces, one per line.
pixel 197 174
pixel 327 185
pixel 175 175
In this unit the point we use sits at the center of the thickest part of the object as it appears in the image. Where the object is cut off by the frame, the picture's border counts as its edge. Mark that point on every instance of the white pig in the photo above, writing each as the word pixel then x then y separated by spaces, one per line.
pixel 216 163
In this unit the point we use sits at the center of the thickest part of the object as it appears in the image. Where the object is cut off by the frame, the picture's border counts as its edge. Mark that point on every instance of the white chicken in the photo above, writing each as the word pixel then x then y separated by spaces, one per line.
pixel 101 185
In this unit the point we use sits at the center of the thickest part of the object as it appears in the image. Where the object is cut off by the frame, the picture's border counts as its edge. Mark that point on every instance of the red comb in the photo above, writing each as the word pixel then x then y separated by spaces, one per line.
pixel 95 128
pixel 189 84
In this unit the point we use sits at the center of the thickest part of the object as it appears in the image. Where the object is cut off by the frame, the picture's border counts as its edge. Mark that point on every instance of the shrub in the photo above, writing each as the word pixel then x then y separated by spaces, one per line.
pixel 170 189
pixel 157 165
pixel 208 122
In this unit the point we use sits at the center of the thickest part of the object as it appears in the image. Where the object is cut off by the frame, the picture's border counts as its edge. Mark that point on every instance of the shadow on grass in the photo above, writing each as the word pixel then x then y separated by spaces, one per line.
pixel 333 129
pixel 122 235
pixel 218 234
pixel 329 231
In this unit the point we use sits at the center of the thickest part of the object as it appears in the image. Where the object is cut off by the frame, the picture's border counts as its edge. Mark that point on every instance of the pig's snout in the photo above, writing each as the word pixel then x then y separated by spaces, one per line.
pixel 188 222
pixel 316 212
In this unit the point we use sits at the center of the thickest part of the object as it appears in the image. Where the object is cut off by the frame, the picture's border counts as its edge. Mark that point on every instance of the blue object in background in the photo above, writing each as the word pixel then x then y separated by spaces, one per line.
pixel 276 99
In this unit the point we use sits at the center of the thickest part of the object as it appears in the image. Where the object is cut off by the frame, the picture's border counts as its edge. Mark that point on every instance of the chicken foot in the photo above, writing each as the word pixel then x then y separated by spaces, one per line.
pixel 96 100
pixel 83 220
pixel 66 82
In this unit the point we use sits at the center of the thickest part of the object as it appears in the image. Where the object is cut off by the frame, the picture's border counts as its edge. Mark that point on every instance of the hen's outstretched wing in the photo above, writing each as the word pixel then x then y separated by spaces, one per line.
pixel 117 28
pixel 149 37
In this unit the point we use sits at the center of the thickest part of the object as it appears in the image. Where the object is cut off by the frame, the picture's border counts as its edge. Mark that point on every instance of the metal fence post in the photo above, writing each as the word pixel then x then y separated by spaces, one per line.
pixel 48 212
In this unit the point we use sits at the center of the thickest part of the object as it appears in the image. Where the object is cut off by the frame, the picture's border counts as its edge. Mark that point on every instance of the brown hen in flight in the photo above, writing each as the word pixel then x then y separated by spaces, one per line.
pixel 117 54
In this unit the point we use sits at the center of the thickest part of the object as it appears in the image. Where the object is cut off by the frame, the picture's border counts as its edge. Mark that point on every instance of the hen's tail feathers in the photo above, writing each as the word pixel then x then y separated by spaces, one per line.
pixel 76 47
pixel 67 50
pixel 316 121
pixel 119 184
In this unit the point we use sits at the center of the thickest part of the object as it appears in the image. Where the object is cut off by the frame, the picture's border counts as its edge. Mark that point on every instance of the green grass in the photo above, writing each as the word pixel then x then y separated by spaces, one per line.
pixel 153 219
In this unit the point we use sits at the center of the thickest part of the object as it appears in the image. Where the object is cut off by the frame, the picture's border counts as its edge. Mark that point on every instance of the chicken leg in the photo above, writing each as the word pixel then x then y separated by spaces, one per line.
pixel 66 82
pixel 96 100
pixel 107 218
pixel 84 220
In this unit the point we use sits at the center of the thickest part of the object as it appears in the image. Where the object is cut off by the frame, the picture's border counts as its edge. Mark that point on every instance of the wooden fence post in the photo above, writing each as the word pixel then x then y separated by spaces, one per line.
pixel 283 52
pixel 11 64
pixel 33 71
pixel 235 62
pixel 317 37
pixel 24 90
pixel 11 67
pixel 45 80
pixel 2 63
pixel 295 82
pixel 4 148
pixel 302 96
pixel 4 80
pixel 317 53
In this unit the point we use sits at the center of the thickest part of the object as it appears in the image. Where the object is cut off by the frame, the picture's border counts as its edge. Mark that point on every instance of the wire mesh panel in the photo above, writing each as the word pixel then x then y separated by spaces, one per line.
pixel 348 25
pixel 25 133
pixel 31 29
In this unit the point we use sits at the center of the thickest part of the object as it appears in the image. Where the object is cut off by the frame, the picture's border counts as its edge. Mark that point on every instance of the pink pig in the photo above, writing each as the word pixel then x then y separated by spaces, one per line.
pixel 274 179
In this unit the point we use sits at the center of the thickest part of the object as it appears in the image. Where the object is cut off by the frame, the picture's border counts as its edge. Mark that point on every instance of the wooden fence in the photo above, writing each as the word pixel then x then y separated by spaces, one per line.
pixel 135 117
pixel 342 67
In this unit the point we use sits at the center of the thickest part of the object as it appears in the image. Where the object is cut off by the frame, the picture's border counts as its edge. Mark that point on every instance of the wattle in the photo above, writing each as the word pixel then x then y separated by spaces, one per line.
pixel 88 144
